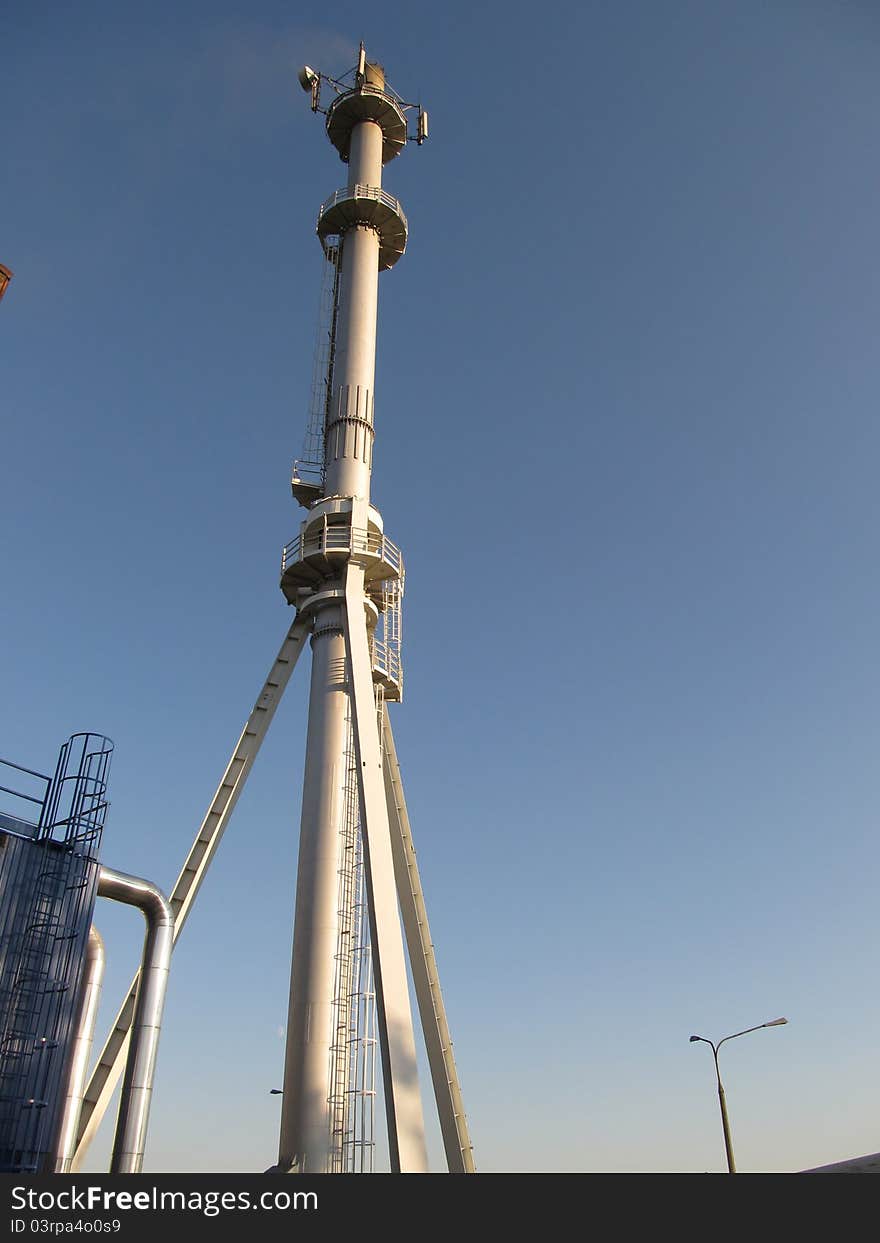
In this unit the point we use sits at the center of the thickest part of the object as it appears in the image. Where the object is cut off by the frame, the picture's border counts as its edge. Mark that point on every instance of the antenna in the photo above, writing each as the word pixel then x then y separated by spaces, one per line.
pixel 309 80
pixel 307 77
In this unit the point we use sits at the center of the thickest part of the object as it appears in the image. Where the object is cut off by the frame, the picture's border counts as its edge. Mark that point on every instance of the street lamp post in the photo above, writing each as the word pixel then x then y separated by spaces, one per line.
pixel 728 1146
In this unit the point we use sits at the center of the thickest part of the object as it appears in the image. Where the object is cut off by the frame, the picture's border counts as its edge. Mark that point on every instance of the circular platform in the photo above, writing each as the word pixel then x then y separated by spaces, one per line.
pixel 368 205
pixel 367 103
pixel 320 554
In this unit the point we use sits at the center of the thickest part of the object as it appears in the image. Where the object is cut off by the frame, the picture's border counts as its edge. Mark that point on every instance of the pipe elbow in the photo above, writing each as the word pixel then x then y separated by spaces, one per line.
pixel 135 891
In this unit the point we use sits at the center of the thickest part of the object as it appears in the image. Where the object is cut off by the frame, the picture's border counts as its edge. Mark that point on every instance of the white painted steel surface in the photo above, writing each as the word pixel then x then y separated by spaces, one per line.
pixel 349 443
pixel 320 539
pixel 371 100
pixel 305 1143
pixel 426 977
pixel 403 1104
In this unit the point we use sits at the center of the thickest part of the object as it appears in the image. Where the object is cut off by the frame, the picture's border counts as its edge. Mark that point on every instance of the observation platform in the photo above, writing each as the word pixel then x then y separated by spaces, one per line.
pixel 320 552
pixel 368 102
pixel 370 206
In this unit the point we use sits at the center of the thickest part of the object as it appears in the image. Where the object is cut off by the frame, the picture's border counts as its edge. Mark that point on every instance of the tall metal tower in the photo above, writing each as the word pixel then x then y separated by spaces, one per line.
pixel 345 575
pixel 357 878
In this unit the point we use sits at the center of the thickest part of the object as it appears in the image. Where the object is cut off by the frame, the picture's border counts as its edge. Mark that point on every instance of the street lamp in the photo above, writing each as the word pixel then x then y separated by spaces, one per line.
pixel 728 1146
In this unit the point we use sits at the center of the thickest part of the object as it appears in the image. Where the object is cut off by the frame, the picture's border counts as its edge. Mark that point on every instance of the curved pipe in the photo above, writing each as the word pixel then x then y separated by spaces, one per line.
pixel 137 1083
pixel 87 1013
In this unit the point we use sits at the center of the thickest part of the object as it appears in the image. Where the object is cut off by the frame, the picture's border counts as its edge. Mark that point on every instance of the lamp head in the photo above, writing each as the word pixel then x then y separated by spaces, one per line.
pixel 776 1023
pixel 693 1038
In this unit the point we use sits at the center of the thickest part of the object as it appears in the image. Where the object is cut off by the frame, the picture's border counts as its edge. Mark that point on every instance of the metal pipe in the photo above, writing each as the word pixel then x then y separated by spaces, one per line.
pixel 137 1083
pixel 90 995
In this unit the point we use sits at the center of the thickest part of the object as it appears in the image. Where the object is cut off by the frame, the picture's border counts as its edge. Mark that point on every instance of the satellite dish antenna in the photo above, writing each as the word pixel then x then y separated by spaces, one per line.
pixel 307 77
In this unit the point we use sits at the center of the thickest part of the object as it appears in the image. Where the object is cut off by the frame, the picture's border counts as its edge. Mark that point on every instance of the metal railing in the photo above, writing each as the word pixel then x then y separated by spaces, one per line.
pixel 386 659
pixel 334 539
pixel 38 800
pixel 349 193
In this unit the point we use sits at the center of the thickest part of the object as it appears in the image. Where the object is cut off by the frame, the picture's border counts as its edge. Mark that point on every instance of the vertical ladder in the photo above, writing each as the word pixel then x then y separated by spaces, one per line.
pixel 340 1049
pixel 311 464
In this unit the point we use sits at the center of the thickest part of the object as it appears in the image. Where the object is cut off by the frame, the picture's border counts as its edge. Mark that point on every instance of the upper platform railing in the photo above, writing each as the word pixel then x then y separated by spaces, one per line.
pixel 377 195
pixel 325 538
pixel 37 800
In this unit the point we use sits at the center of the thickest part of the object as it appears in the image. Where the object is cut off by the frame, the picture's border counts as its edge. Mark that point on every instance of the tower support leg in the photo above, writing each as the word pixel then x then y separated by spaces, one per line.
pixel 403 1105
pixel 306 1143
pixel 426 978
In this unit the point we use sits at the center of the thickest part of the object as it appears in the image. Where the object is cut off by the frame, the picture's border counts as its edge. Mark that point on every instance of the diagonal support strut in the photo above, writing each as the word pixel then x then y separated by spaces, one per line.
pixel 403 1105
pixel 426 978
pixel 112 1060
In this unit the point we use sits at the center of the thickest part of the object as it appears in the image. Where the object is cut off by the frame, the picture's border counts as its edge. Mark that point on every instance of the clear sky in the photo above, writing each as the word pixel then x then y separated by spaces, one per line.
pixel 627 438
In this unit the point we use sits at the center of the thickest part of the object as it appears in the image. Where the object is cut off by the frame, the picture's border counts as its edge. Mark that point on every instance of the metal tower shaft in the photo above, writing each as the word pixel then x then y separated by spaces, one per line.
pixel 348 448
pixel 337 579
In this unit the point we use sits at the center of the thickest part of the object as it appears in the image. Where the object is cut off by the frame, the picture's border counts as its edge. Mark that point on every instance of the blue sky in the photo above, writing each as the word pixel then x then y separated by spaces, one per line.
pixel 627 439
